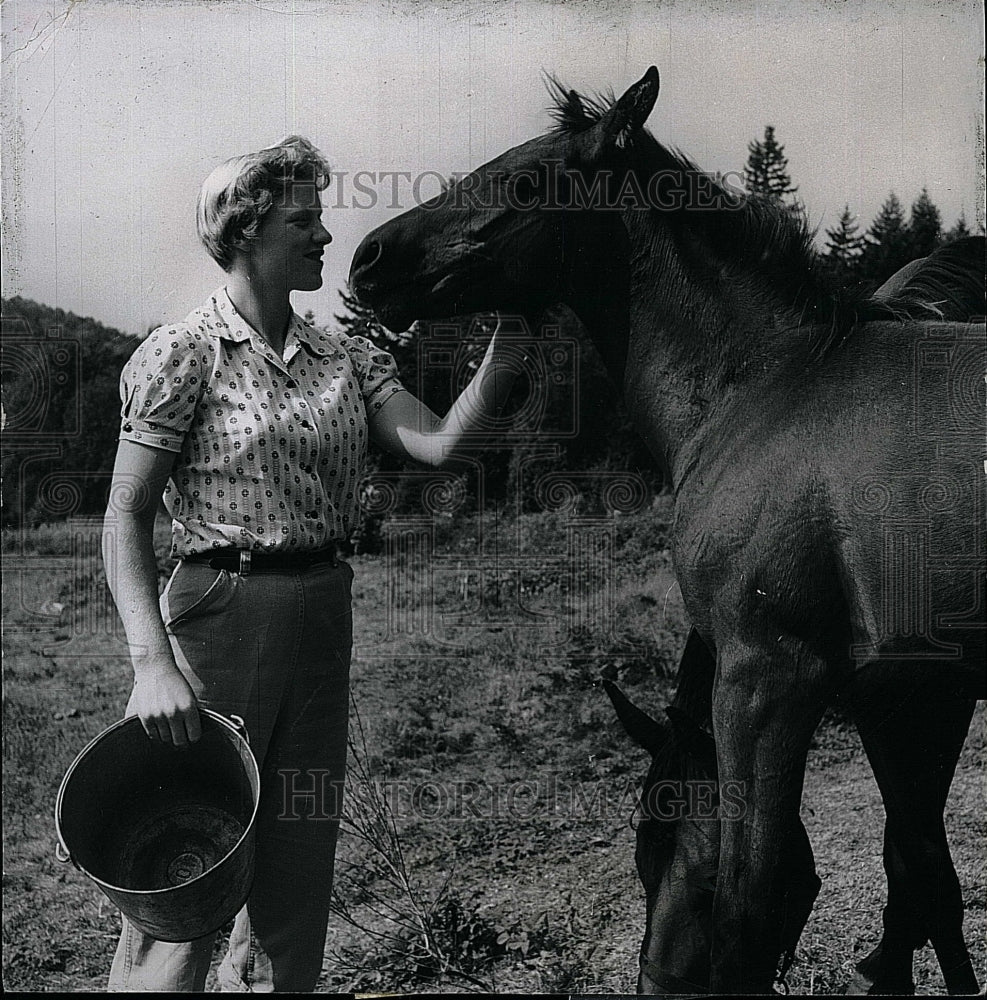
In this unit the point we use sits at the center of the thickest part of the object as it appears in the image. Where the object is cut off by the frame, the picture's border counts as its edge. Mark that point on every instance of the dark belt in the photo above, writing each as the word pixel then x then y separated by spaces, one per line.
pixel 245 561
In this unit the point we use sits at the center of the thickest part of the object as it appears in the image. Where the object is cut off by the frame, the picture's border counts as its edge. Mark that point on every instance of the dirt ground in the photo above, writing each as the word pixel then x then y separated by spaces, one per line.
pixel 510 785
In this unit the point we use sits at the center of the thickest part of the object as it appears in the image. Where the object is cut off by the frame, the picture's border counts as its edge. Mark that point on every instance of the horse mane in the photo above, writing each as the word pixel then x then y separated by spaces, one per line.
pixel 574 112
pixel 755 236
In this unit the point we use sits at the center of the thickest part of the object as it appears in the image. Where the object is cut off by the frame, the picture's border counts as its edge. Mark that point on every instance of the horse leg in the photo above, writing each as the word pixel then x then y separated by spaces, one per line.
pixel 802 886
pixel 765 710
pixel 913 754
pixel 888 968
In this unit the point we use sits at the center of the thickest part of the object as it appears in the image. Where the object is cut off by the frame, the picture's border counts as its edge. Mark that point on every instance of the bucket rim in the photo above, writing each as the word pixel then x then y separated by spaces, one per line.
pixel 66 854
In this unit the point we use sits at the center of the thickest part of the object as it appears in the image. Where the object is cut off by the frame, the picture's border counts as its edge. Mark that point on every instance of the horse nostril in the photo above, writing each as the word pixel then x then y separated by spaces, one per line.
pixel 367 254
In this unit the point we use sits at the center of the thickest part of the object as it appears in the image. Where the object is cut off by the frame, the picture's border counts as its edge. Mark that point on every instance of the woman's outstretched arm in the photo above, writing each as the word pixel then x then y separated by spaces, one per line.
pixel 406 427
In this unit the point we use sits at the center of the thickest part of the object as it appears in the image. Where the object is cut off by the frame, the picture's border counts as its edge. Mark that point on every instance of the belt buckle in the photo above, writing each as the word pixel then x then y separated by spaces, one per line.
pixel 244 569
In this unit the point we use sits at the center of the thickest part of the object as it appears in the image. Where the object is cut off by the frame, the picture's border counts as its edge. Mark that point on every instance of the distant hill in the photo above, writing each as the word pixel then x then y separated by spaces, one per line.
pixel 61 408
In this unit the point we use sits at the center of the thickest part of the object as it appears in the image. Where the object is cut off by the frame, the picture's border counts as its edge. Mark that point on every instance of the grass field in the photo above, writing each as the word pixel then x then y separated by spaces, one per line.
pixel 489 844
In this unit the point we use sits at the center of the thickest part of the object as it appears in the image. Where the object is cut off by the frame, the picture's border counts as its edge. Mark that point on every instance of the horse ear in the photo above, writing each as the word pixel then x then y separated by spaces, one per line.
pixel 692 738
pixel 642 729
pixel 629 113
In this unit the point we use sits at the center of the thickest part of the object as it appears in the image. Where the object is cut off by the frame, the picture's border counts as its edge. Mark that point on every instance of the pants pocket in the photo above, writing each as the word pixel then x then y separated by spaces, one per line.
pixel 193 592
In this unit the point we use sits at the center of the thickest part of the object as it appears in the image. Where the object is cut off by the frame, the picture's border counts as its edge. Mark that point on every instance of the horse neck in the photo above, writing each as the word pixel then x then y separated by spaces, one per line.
pixel 691 347
pixel 660 369
pixel 599 294
pixel 680 329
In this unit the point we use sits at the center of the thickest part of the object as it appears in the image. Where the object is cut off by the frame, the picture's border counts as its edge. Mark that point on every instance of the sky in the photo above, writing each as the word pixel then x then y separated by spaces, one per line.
pixel 114 111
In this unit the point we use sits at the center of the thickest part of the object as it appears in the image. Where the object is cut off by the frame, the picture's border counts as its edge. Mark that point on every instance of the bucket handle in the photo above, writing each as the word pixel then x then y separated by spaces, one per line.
pixel 241 727
pixel 62 853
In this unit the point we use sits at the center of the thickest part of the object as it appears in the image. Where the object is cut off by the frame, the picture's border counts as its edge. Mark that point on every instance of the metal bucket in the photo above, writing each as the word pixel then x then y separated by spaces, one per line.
pixel 167 834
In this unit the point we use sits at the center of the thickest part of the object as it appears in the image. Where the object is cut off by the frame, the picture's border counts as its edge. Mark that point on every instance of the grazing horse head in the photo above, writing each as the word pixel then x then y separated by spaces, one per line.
pixel 678 842
pixel 677 850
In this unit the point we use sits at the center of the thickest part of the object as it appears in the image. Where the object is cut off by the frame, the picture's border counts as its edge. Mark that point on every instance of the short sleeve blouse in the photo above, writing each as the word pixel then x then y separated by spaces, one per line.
pixel 269 450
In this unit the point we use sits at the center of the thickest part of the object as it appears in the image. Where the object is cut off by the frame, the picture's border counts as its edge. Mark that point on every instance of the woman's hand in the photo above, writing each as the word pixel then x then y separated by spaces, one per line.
pixel 165 703
pixel 406 427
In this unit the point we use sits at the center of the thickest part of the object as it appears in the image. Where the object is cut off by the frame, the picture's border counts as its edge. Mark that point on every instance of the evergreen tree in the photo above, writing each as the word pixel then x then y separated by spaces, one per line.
pixel 960 231
pixel 766 173
pixel 925 226
pixel 887 243
pixel 359 320
pixel 844 247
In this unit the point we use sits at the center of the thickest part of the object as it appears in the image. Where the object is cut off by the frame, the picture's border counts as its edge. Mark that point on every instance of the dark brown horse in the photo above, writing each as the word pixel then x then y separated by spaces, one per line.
pixel 676 851
pixel 826 455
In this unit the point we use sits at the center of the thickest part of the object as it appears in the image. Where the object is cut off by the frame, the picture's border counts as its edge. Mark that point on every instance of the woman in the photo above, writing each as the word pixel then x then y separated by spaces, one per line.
pixel 254 428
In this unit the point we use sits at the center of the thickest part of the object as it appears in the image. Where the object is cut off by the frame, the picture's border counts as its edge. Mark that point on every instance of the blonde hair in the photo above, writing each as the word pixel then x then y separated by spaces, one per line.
pixel 238 193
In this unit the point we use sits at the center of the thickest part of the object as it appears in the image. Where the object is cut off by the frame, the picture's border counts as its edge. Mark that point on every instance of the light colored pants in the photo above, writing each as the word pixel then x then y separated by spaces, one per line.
pixel 273 648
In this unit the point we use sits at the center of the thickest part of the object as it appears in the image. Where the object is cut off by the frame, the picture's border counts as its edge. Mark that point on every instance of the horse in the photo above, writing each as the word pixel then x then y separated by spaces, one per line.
pixel 677 854
pixel 824 451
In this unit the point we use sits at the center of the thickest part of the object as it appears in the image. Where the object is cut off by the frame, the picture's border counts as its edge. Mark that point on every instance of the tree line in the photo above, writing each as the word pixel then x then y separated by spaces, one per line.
pixel 61 374
pixel 853 256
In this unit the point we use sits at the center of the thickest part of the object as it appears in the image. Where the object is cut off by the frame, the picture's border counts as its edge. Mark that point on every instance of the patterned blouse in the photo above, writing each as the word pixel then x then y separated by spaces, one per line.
pixel 269 449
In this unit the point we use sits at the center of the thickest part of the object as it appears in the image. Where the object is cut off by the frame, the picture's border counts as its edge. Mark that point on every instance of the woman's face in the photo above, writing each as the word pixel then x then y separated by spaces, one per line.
pixel 290 241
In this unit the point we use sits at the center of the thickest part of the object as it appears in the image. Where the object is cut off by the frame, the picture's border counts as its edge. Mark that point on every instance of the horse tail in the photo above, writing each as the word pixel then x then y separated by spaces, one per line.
pixel 948 285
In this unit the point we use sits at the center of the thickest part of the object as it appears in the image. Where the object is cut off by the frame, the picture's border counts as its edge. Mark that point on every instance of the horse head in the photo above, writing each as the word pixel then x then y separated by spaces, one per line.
pixel 518 233
pixel 677 854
